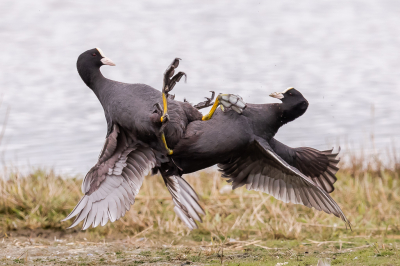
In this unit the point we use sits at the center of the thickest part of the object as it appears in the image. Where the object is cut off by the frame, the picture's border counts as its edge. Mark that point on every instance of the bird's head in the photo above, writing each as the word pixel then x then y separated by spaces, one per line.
pixel 94 58
pixel 289 96
pixel 89 64
pixel 293 104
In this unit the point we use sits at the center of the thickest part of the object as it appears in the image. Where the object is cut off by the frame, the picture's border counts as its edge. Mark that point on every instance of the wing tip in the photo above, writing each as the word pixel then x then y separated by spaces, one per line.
pixel 66 219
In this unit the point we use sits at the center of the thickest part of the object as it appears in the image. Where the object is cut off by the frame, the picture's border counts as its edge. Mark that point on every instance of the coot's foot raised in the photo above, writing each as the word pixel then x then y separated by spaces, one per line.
pixel 232 101
pixel 169 83
pixel 208 102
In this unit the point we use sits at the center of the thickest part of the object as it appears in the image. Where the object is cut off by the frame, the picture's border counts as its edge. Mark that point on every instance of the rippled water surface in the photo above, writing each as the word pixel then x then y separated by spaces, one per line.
pixel 344 56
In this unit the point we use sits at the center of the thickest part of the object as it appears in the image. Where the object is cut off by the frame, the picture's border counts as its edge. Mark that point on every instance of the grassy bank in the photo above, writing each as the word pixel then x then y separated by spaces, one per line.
pixel 370 199
pixel 234 220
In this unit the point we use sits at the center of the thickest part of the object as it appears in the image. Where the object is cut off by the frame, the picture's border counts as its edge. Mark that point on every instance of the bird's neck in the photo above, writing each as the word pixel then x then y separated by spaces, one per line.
pixel 288 112
pixel 281 114
pixel 91 75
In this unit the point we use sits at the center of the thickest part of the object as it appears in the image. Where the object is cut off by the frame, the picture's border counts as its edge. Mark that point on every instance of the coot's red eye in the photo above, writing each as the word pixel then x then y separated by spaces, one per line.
pixel 94 54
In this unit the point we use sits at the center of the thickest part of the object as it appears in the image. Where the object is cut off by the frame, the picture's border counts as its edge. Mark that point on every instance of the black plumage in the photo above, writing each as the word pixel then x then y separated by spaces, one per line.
pixel 240 142
pixel 246 152
pixel 132 148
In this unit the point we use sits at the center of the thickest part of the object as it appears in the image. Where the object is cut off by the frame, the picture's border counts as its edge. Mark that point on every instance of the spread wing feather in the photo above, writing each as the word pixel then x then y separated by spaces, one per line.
pixel 261 169
pixel 185 200
pixel 320 166
pixel 112 184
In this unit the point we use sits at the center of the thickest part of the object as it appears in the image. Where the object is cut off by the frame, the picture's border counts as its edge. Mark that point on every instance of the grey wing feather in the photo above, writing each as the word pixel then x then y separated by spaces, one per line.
pixel 320 166
pixel 112 184
pixel 271 174
pixel 185 199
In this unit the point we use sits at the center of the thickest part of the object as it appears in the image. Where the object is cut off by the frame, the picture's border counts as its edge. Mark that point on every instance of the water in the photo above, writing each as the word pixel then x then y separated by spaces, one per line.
pixel 342 55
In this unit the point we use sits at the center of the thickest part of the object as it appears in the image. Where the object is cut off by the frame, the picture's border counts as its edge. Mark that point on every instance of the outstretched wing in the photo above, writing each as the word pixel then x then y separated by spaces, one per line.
pixel 111 186
pixel 186 201
pixel 261 169
pixel 320 166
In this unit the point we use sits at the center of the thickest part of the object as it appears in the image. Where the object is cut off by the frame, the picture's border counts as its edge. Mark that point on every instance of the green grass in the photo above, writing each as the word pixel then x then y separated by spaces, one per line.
pixel 251 227
pixel 371 201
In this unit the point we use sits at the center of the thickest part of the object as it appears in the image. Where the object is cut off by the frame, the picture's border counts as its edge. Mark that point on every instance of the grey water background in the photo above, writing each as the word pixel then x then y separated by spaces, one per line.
pixel 344 56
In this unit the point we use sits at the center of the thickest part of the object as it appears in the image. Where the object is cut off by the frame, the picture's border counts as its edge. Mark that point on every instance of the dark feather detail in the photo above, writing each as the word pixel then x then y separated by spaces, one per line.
pixel 261 169
pixel 321 166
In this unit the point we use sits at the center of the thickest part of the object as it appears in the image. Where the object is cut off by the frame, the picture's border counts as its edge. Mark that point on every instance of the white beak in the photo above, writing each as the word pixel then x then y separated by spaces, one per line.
pixel 107 61
pixel 278 95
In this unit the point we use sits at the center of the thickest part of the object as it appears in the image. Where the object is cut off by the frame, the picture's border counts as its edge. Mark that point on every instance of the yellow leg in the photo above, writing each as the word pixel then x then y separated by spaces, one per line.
pixel 164 99
pixel 163 119
pixel 213 108
pixel 170 152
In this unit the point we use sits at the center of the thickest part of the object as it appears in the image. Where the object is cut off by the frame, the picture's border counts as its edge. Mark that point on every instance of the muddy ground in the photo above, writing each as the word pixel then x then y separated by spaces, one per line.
pixel 45 247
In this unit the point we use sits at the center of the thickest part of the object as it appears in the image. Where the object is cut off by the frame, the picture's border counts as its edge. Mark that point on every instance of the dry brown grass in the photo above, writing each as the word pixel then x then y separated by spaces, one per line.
pixel 369 196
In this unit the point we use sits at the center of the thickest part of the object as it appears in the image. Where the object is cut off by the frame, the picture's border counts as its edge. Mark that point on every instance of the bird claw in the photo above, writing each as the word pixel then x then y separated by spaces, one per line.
pixel 169 79
pixel 207 103
pixel 212 96
pixel 169 82
pixel 235 102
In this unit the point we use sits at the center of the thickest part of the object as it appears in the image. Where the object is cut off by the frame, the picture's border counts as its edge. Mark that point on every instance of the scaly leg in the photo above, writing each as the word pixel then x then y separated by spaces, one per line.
pixel 235 102
pixel 168 84
pixel 159 110
pixel 170 152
